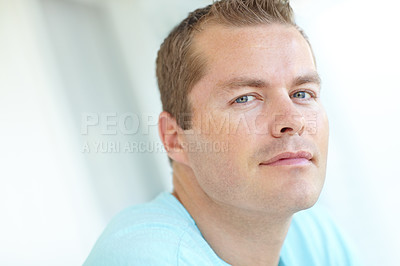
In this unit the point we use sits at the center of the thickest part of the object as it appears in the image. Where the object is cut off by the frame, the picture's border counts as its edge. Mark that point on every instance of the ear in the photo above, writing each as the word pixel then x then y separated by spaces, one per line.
pixel 171 135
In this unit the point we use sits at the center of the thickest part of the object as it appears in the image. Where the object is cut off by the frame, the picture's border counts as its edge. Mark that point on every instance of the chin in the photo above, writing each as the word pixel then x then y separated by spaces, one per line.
pixel 303 198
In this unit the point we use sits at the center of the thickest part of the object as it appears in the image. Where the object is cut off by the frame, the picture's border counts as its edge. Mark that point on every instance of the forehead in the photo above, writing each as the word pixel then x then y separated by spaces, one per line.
pixel 273 53
pixel 219 43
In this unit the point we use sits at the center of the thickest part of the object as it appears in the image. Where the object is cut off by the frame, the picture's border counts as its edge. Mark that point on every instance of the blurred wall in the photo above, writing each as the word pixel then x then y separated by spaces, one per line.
pixel 78 91
pixel 356 44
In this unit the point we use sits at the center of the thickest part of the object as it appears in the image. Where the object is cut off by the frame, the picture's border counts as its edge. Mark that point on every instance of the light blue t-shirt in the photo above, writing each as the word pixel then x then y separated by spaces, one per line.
pixel 162 232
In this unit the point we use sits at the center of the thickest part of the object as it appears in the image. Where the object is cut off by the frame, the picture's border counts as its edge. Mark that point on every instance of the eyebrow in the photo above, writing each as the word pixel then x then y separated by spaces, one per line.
pixel 259 83
pixel 243 82
pixel 308 78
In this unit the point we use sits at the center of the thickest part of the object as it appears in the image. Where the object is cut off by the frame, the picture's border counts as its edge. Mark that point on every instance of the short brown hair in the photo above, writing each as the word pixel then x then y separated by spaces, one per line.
pixel 180 67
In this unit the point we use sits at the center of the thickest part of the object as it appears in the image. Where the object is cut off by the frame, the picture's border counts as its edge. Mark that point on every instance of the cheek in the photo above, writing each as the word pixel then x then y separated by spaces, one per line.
pixel 221 168
pixel 316 125
pixel 321 138
pixel 218 173
pixel 323 131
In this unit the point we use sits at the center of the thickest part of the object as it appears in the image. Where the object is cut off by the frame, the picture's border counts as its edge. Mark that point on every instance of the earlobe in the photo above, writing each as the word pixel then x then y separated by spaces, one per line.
pixel 170 134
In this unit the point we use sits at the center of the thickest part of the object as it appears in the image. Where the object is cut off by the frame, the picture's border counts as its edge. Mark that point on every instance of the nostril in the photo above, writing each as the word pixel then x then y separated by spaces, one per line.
pixel 283 130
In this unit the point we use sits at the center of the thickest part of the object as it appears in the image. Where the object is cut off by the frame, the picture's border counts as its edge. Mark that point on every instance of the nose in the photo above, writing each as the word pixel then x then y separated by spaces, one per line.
pixel 287 120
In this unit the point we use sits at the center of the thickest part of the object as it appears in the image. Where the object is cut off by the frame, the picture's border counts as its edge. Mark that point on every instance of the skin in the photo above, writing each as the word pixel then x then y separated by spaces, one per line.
pixel 258 98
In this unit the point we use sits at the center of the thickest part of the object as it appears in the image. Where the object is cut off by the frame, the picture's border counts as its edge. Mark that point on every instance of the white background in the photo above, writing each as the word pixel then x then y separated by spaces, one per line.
pixel 60 59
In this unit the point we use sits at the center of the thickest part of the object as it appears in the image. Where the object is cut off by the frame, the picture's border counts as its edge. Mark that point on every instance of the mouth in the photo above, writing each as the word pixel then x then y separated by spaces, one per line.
pixel 290 158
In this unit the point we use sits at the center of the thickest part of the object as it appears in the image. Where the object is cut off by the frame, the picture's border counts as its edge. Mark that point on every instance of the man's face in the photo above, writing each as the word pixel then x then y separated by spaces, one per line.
pixel 259 132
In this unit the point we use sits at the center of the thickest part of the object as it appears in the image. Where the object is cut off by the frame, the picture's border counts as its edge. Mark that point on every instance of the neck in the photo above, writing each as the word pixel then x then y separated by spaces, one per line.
pixel 239 237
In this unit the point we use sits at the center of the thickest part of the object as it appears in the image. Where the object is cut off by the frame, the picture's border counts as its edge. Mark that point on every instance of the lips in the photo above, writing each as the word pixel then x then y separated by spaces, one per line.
pixel 290 158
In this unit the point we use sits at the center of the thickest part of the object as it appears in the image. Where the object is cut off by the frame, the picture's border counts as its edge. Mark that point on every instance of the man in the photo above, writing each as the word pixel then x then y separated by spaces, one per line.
pixel 247 137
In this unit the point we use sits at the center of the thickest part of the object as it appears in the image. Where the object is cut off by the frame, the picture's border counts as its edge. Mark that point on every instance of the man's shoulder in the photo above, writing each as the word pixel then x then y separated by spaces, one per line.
pixel 316 224
pixel 154 233
pixel 314 239
pixel 163 212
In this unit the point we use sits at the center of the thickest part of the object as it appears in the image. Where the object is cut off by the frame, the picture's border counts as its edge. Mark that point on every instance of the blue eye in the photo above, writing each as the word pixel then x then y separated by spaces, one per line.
pixel 244 99
pixel 302 95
